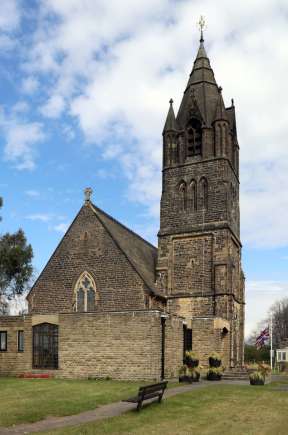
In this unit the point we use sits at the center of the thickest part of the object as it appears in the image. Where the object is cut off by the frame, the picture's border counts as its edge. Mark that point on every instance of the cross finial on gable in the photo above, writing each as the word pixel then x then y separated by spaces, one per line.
pixel 88 193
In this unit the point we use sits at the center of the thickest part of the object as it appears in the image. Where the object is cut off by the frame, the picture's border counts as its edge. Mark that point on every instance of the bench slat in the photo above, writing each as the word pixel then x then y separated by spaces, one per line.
pixel 148 392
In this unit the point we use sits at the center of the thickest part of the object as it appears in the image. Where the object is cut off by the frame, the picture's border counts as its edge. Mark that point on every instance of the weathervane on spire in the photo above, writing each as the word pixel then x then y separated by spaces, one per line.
pixel 202 26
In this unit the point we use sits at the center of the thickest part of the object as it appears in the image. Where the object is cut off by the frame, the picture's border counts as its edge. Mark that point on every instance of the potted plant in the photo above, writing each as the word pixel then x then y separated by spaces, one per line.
pixel 191 359
pixel 214 374
pixel 215 370
pixel 259 373
pixel 189 372
pixel 214 360
pixel 256 378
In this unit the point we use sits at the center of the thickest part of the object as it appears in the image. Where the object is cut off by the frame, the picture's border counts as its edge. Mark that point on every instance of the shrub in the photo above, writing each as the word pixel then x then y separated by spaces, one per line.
pixel 214 359
pixel 257 378
pixel 191 359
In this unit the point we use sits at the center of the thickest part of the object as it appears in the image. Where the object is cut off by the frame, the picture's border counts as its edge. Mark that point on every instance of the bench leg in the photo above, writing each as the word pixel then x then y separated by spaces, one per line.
pixel 160 397
pixel 139 406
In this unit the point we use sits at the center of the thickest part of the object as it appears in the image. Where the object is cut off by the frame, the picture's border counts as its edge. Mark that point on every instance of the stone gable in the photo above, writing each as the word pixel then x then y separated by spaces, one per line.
pixel 88 245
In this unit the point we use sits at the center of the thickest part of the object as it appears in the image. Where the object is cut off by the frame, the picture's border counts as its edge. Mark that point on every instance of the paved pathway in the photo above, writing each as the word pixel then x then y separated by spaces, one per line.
pixel 102 412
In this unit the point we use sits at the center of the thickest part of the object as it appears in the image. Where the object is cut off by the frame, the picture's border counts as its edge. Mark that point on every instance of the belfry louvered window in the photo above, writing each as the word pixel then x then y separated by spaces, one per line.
pixel 85 293
pixel 194 138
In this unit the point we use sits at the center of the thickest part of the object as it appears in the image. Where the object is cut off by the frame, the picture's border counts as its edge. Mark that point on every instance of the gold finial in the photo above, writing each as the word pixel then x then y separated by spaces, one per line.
pixel 202 26
pixel 87 192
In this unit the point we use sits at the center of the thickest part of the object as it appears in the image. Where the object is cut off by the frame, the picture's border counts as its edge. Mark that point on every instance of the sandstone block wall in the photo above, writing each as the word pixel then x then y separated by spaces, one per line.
pixel 87 246
pixel 13 362
pixel 207 336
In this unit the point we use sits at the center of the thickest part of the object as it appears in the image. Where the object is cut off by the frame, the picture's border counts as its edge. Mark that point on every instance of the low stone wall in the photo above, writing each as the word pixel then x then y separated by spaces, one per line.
pixel 13 362
pixel 118 345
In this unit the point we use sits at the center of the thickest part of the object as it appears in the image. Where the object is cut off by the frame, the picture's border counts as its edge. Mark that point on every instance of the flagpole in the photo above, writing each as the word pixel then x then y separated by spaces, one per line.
pixel 271 342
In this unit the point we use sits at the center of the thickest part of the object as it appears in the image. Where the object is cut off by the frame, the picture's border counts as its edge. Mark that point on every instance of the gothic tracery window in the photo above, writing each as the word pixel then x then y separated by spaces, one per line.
pixel 194 138
pixel 85 293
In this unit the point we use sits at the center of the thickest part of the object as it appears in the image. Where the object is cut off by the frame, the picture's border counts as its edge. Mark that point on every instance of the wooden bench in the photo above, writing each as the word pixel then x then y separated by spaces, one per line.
pixel 148 392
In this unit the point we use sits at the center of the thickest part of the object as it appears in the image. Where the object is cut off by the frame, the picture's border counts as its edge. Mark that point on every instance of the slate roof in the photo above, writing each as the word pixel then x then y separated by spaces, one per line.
pixel 140 253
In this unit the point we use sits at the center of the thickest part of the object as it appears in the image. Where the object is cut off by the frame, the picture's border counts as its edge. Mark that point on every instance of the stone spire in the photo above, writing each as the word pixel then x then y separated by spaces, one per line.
pixel 170 123
pixel 220 112
pixel 203 82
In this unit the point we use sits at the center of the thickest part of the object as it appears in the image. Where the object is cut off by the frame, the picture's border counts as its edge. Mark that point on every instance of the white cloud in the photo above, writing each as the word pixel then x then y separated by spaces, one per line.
pixel 21 140
pixel 30 85
pixel 9 21
pixel 10 15
pixel 32 193
pixel 54 107
pixel 20 107
pixel 61 228
pixel 42 217
pixel 261 294
pixel 68 132
pixel 116 68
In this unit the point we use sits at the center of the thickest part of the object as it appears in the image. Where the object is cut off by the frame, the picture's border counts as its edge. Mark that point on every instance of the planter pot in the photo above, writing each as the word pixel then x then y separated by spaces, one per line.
pixel 257 382
pixel 214 362
pixel 189 379
pixel 191 363
pixel 214 376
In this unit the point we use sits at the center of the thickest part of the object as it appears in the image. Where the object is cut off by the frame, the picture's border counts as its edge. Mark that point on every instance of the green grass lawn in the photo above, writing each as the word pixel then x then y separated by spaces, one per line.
pixel 223 410
pixel 29 400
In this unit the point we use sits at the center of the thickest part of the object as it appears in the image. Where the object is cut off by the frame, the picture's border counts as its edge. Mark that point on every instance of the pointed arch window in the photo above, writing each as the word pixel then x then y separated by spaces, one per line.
pixel 203 194
pixel 194 137
pixel 85 293
pixel 183 195
pixel 193 196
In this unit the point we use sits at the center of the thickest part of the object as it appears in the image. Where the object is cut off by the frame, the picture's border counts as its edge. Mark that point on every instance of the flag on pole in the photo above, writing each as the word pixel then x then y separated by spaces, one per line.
pixel 262 338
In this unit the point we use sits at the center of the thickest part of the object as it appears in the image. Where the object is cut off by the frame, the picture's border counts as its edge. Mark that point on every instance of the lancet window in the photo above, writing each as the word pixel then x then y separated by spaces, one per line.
pixel 194 137
pixel 183 195
pixel 192 202
pixel 203 194
pixel 85 293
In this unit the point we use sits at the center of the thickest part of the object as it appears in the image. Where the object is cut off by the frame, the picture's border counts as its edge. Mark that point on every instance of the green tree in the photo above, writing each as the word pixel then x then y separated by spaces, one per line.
pixel 252 354
pixel 15 265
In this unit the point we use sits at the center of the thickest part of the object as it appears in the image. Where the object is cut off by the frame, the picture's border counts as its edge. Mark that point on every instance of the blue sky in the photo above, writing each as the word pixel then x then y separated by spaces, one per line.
pixel 84 91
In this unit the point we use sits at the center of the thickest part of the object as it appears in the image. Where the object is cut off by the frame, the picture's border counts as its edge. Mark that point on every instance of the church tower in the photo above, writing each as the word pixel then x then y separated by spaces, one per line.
pixel 199 257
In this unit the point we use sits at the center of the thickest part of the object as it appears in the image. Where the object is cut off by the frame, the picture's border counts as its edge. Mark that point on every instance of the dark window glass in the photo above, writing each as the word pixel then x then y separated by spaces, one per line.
pixel 90 300
pixel 80 300
pixel 20 341
pixel 3 341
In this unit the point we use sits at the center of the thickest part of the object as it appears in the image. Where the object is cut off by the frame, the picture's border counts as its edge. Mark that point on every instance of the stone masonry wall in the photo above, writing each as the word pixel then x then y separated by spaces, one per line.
pixel 87 246
pixel 173 347
pixel 118 345
pixel 13 362
pixel 207 336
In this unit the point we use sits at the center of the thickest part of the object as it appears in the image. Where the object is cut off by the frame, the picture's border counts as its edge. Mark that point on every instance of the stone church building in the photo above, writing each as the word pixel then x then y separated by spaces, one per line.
pixel 108 303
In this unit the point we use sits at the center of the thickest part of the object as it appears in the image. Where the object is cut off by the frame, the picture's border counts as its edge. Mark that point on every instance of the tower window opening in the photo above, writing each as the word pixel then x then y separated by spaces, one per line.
pixel 194 138
pixel 203 194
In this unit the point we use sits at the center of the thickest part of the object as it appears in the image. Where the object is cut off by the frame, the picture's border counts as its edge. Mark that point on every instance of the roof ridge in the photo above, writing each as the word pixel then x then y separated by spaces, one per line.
pixel 122 225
